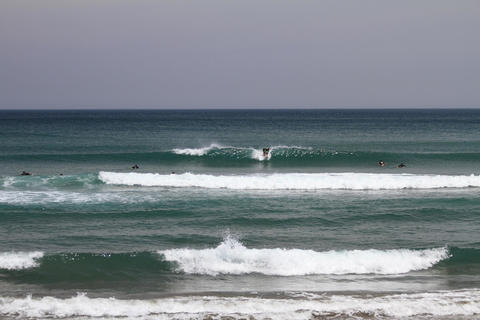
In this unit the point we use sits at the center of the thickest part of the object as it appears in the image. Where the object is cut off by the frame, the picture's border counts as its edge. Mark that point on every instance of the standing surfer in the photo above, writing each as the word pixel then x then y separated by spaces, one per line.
pixel 266 151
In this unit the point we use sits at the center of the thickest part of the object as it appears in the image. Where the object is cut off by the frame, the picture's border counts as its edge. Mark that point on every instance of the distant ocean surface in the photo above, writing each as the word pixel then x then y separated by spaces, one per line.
pixel 209 228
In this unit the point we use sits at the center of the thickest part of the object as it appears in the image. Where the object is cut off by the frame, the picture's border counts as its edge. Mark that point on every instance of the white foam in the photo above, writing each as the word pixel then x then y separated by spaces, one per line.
pixel 232 257
pixel 443 303
pixel 36 198
pixel 257 154
pixel 197 151
pixel 306 181
pixel 19 260
pixel 8 181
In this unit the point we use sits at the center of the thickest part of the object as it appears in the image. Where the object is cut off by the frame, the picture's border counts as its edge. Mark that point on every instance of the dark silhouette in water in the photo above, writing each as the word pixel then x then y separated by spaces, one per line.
pixel 381 163
pixel 266 151
pixel 401 165
pixel 135 167
pixel 25 173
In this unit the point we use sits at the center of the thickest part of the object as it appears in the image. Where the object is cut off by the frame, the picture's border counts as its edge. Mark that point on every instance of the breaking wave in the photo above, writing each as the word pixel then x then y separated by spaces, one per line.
pixel 216 150
pixel 299 306
pixel 302 155
pixel 19 260
pixel 276 181
pixel 232 257
pixel 292 181
pixel 229 257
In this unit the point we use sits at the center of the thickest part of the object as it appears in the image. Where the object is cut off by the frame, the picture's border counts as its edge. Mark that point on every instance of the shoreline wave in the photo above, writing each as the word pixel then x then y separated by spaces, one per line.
pixel 299 306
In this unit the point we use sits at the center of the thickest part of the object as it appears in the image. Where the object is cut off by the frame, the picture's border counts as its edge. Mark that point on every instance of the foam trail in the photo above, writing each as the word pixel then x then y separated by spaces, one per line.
pixel 232 257
pixel 443 303
pixel 19 260
pixel 36 198
pixel 49 182
pixel 300 181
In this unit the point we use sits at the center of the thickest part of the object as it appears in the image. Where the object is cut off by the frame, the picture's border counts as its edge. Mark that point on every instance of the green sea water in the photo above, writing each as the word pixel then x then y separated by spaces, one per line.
pixel 208 227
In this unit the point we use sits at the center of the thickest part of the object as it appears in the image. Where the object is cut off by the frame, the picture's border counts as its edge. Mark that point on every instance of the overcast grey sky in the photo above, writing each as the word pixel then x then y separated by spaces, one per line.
pixel 242 53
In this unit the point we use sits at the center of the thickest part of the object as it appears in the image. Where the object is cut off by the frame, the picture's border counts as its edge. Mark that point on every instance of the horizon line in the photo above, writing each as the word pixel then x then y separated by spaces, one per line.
pixel 232 108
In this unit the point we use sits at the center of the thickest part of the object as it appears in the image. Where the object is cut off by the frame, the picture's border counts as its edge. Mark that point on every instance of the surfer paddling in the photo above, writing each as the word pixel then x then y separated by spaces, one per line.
pixel 381 163
pixel 25 173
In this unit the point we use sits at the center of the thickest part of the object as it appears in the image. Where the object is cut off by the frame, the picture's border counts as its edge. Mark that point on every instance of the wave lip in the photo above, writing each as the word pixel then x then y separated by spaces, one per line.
pixel 196 151
pixel 232 257
pixel 19 260
pixel 443 303
pixel 293 181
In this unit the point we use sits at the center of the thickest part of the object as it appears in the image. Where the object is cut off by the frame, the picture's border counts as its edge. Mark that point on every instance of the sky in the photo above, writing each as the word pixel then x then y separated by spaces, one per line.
pixel 239 53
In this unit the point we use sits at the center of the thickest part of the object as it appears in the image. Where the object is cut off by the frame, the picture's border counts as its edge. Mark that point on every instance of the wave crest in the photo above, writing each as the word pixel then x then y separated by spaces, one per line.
pixel 232 257
pixel 19 260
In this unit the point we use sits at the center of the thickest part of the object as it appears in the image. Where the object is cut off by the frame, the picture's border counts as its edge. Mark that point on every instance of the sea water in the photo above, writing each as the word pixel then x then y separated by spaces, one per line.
pixel 209 228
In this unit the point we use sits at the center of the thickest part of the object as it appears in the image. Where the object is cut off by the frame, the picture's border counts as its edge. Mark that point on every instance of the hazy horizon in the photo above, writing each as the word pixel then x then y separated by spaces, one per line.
pixel 233 108
pixel 242 54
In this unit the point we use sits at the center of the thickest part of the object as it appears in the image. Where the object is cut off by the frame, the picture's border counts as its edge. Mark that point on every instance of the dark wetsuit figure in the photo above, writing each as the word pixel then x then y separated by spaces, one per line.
pixel 266 151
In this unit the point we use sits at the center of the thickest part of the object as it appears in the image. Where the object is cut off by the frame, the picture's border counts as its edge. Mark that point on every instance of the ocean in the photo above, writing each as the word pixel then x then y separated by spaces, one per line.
pixel 209 228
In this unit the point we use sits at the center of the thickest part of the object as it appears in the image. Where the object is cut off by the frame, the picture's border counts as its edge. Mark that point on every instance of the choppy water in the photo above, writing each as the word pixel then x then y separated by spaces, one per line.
pixel 209 228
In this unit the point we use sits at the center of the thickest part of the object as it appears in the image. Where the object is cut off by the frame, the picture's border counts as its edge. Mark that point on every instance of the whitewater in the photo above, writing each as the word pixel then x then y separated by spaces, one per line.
pixel 297 306
pixel 232 257
pixel 299 181
pixel 19 260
